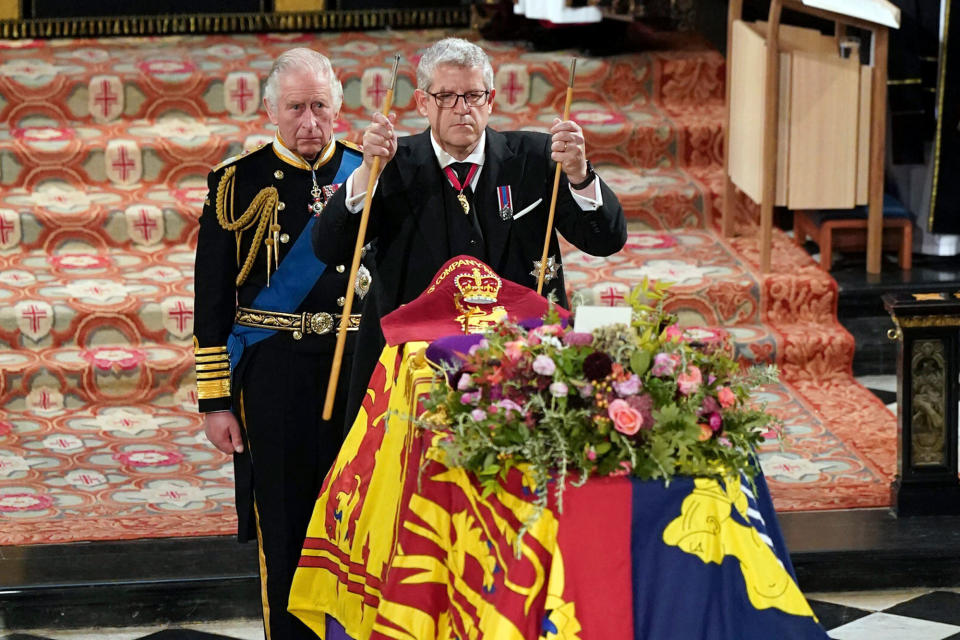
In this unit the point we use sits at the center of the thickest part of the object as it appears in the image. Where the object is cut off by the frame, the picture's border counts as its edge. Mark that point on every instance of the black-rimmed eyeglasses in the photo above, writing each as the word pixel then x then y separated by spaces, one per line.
pixel 448 99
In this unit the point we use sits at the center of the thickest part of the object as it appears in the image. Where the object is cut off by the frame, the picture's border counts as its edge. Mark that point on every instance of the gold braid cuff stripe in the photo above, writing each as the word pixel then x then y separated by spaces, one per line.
pixel 299 323
pixel 343 20
pixel 203 351
pixel 219 358
pixel 213 366
pixel 211 389
pixel 213 375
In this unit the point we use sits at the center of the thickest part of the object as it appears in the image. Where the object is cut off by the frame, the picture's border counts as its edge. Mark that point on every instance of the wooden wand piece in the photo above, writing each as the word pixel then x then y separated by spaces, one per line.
pixel 556 185
pixel 355 265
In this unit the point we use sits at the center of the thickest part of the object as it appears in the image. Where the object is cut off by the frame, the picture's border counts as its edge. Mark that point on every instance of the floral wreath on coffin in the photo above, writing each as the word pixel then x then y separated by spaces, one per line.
pixel 647 400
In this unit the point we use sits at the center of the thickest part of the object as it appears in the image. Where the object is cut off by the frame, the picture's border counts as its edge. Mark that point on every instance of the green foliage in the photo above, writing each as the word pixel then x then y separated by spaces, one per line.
pixel 645 400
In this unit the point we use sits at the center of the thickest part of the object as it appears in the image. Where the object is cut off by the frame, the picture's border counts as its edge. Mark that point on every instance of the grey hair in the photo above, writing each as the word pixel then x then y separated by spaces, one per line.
pixel 302 59
pixel 456 51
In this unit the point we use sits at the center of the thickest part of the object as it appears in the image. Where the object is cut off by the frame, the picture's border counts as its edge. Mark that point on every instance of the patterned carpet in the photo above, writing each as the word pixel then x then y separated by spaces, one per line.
pixel 102 172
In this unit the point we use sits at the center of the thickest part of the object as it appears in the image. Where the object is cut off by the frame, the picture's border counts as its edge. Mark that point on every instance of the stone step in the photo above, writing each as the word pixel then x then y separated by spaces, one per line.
pixel 203 76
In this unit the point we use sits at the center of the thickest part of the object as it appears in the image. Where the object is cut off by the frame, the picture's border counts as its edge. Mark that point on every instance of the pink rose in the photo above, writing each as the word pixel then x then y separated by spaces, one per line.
pixel 544 365
pixel 689 381
pixel 626 419
pixel 623 470
pixel 549 330
pixel 726 397
pixel 664 364
pixel 513 350
pixel 673 332
pixel 575 338
pixel 509 405
pixel 628 387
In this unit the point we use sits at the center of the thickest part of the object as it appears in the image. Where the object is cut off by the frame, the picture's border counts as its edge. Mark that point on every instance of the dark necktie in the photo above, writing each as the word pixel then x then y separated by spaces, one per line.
pixel 462 169
pixel 464 175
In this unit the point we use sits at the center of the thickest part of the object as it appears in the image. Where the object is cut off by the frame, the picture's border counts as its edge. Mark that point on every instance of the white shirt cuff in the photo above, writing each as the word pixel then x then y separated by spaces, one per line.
pixel 588 204
pixel 355 200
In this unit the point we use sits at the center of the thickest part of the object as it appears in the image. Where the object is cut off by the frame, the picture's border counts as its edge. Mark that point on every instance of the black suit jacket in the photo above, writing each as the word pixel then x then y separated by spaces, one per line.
pixel 408 221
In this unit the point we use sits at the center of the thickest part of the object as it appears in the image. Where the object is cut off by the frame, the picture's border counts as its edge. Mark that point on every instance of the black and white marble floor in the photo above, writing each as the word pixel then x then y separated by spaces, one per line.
pixel 901 614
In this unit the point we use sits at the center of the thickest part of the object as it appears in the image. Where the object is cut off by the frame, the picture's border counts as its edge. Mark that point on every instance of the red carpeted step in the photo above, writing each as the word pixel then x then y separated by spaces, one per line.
pixel 659 199
pixel 81 297
pixel 96 260
pixel 124 154
pixel 121 471
pixel 204 76
pixel 60 218
pixel 107 363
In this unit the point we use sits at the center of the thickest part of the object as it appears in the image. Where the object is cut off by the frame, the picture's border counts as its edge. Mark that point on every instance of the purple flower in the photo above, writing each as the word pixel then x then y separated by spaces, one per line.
pixel 578 338
pixel 559 389
pixel 586 390
pixel 628 387
pixel 509 405
pixel 716 421
pixel 478 414
pixel 664 364
pixel 471 397
pixel 644 404
pixel 710 405
pixel 544 365
pixel 725 441
pixel 464 382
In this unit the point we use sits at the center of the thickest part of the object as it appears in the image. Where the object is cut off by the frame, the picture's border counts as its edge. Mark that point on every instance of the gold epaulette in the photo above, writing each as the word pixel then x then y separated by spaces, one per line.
pixel 213 371
pixel 236 157
pixel 351 145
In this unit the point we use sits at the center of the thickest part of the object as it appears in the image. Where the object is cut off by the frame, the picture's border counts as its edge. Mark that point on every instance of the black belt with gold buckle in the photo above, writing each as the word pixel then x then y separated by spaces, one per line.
pixel 300 324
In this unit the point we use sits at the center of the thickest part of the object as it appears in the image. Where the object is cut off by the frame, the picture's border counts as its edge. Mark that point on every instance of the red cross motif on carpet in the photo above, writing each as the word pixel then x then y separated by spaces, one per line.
pixel 374 84
pixel 612 296
pixel 45 400
pixel 144 224
pixel 241 93
pixel 34 318
pixel 178 316
pixel 9 228
pixel 104 179
pixel 123 162
pixel 105 98
pixel 513 87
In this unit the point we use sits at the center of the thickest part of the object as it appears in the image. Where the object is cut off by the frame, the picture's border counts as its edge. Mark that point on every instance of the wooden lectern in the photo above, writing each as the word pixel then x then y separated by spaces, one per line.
pixel 806 126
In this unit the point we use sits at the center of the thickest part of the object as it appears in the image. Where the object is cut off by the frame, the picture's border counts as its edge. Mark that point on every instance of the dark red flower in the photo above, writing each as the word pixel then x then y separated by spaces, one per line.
pixel 597 366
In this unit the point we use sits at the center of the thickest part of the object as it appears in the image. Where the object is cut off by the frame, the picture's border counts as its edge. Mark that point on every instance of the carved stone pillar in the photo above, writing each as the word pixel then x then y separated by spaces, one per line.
pixel 928 363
